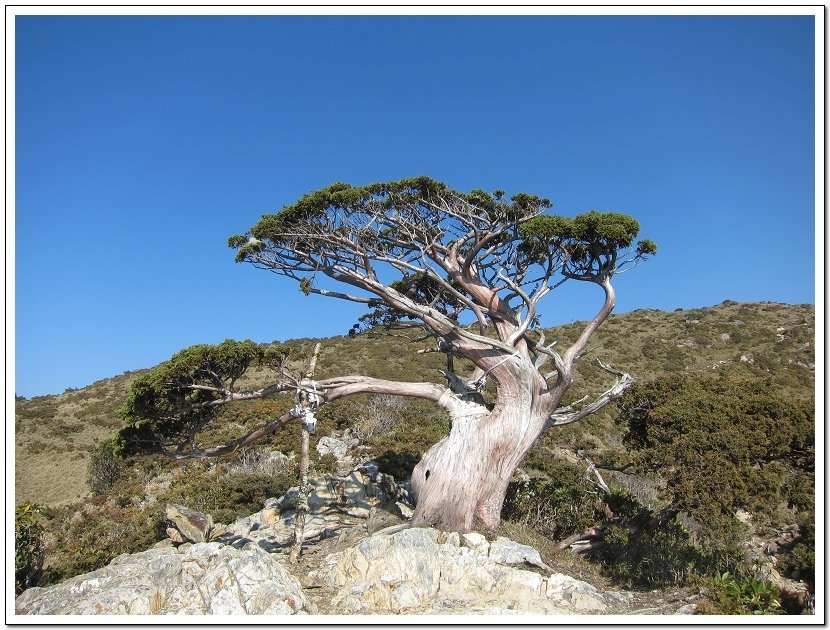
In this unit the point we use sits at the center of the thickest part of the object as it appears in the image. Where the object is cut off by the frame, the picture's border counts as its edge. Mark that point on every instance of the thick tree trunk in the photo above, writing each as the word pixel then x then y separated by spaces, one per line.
pixel 461 482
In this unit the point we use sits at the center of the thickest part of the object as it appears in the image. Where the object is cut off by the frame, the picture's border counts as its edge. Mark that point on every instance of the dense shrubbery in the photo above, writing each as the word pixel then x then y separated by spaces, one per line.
pixel 723 445
pixel 720 445
pixel 556 506
pixel 104 469
pixel 28 547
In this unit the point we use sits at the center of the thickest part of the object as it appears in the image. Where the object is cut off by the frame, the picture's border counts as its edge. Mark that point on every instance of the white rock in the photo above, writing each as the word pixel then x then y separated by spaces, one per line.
pixel 477 542
pixel 208 578
pixel 505 551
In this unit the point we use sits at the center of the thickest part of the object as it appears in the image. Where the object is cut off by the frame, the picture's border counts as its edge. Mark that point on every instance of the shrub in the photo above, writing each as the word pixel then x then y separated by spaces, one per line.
pixel 653 556
pixel 88 538
pixel 28 547
pixel 227 497
pixel 104 469
pixel 379 417
pixel 722 444
pixel 730 595
pixel 260 461
pixel 555 508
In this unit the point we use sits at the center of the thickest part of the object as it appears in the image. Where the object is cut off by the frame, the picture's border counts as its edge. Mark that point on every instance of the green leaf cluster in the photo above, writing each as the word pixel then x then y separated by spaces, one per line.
pixel 590 241
pixel 412 201
pixel 29 549
pixel 730 595
pixel 170 404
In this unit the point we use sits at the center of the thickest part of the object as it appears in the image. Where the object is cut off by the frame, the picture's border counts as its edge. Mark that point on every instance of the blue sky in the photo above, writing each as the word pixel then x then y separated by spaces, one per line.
pixel 142 143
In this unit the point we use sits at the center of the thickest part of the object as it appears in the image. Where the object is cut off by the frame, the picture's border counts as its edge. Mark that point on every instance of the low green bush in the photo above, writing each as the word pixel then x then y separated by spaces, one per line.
pixel 555 507
pixel 104 468
pixel 28 547
pixel 726 594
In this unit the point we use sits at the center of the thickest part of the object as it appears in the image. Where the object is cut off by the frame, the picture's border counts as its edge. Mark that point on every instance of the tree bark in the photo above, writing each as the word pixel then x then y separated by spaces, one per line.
pixel 461 482
pixel 302 502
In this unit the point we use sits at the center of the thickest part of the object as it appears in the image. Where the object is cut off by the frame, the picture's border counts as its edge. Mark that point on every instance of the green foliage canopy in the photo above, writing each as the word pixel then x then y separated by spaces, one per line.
pixel 443 243
pixel 173 402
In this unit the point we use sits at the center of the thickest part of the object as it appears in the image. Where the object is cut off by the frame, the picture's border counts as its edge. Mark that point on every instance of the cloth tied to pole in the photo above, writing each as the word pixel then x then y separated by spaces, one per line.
pixel 307 401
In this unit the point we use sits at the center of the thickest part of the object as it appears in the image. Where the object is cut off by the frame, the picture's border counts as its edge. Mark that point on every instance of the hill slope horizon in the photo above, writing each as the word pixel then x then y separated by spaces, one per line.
pixel 56 434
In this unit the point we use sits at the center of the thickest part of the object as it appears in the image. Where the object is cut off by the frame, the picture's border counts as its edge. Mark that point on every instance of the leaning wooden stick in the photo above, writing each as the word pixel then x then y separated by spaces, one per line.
pixel 307 404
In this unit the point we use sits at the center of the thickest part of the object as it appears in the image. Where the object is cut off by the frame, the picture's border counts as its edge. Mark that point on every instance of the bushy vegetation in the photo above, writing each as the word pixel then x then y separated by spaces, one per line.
pixel 714 446
pixel 104 469
pixel 28 546
pixel 130 516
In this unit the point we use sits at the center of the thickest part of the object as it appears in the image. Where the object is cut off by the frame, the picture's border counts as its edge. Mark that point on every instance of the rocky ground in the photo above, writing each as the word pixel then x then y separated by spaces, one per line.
pixel 353 562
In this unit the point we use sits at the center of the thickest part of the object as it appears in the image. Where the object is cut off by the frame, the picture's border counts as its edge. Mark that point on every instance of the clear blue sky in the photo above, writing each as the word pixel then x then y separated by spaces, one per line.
pixel 142 143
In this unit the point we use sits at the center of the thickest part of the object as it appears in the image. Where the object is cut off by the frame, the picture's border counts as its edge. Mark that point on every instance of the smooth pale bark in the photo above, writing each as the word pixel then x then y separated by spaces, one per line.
pixel 461 482
pixel 302 503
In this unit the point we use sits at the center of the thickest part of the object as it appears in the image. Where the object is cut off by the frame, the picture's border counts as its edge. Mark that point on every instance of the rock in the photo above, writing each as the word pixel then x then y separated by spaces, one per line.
pixel 217 531
pixel 193 525
pixel 413 571
pixel 580 596
pixel 163 543
pixel 404 510
pixel 270 515
pixel 332 446
pixel 380 519
pixel 688 609
pixel 505 551
pixel 174 535
pixel 209 578
pixel 476 542
pixel 452 538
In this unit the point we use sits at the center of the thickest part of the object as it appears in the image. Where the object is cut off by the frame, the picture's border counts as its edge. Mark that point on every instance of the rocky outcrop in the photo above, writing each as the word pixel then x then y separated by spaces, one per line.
pixel 363 498
pixel 346 568
pixel 428 572
pixel 205 579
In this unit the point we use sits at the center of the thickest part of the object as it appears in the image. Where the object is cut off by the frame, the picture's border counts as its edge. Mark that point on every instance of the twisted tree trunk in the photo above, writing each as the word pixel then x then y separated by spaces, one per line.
pixel 461 482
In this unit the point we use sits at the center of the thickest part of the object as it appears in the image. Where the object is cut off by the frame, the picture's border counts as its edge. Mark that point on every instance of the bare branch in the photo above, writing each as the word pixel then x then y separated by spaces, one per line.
pixel 590 328
pixel 234 445
pixel 345 296
pixel 565 416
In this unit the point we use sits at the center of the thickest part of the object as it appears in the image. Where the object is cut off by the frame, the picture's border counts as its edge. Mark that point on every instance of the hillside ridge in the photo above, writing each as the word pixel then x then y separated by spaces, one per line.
pixel 56 434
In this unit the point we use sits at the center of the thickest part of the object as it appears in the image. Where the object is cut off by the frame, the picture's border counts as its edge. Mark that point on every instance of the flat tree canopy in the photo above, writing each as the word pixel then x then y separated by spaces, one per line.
pixel 469 269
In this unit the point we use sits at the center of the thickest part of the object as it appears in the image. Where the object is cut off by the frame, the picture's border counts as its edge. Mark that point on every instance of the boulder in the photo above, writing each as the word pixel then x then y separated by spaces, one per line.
pixel 421 570
pixel 193 525
pixel 206 579
pixel 505 551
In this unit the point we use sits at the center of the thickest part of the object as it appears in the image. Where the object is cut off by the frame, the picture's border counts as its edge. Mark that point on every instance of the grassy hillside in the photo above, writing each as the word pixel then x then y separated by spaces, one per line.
pixel 56 435
pixel 741 442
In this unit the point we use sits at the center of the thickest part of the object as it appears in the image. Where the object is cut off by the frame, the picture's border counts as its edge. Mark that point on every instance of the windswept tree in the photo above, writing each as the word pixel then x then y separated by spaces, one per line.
pixel 470 269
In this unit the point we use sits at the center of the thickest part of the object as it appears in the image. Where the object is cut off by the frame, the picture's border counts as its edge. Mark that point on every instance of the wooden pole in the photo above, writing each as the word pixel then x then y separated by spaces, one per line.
pixel 302 500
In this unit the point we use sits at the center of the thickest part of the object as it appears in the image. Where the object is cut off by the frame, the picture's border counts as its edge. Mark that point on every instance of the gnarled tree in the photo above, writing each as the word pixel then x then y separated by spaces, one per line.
pixel 471 269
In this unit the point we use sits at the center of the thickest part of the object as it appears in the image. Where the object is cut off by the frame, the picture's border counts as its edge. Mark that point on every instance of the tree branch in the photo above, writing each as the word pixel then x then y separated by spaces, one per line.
pixel 608 306
pixel 564 416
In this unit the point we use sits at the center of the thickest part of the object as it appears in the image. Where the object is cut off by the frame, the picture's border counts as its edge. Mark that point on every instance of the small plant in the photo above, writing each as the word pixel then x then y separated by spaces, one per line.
pixel 379 417
pixel 28 546
pixel 731 595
